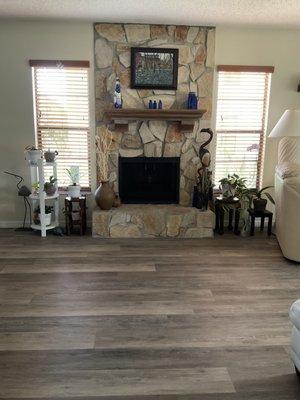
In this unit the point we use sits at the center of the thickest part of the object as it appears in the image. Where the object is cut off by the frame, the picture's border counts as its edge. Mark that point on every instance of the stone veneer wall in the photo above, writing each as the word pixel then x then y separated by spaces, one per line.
pixel 195 73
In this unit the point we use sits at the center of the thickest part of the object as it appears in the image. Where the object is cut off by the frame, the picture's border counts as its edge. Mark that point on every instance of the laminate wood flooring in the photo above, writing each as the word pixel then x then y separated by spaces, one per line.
pixel 156 319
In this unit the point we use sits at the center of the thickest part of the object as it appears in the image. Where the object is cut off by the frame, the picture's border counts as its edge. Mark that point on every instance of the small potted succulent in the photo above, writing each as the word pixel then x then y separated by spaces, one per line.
pixel 35 188
pixel 32 155
pixel 48 212
pixel 259 203
pixel 50 156
pixel 50 187
pixel 231 184
pixel 74 188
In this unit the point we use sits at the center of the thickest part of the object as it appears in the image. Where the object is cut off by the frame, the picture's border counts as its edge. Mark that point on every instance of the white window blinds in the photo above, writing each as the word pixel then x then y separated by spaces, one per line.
pixel 242 105
pixel 62 115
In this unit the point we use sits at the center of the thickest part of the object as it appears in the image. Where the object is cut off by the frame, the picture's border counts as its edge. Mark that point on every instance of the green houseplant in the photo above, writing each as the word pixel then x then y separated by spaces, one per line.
pixel 50 187
pixel 231 184
pixel 260 203
pixel 37 215
pixel 74 187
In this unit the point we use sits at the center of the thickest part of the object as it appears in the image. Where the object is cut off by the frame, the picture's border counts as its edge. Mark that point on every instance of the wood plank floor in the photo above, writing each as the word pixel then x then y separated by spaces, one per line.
pixel 84 318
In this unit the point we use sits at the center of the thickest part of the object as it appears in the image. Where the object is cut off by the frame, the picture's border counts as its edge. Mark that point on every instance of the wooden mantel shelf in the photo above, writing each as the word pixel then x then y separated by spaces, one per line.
pixel 121 117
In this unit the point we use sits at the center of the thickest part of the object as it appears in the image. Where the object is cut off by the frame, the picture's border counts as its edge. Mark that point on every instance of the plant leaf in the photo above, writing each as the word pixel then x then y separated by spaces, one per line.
pixel 270 197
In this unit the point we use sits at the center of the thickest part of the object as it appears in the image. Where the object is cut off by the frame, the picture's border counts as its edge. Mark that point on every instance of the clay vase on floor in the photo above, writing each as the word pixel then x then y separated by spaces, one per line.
pixel 105 196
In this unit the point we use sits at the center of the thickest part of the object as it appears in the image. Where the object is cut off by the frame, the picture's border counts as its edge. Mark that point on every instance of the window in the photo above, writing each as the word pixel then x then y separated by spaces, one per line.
pixel 62 115
pixel 242 105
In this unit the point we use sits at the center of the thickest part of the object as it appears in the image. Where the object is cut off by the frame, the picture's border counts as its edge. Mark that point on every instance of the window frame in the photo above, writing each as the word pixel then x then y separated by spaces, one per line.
pixel 268 70
pixel 60 64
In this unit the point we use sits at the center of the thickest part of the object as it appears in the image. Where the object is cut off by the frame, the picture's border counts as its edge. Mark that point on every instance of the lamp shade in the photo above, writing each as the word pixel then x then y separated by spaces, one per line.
pixel 288 125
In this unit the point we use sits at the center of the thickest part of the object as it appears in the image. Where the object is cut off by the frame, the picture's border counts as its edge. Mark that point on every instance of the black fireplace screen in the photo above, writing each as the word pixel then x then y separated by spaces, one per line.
pixel 149 179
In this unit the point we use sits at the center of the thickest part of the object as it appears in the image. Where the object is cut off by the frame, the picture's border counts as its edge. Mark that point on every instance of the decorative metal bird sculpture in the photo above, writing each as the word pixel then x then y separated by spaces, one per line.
pixel 203 191
pixel 24 192
pixel 204 154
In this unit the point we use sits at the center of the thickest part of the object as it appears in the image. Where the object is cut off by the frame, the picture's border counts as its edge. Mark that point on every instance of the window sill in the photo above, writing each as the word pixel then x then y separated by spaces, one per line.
pixel 64 192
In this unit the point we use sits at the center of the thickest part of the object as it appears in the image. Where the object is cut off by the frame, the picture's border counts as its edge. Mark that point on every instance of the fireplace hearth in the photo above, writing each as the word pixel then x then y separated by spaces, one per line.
pixel 152 180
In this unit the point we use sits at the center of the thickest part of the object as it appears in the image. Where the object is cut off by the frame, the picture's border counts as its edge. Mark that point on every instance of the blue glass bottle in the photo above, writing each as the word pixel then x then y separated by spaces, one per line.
pixel 192 102
pixel 150 104
pixel 154 105
pixel 160 104
pixel 118 94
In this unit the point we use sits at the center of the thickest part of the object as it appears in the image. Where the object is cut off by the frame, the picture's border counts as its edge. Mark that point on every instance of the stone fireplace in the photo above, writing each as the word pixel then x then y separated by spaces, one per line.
pixel 154 139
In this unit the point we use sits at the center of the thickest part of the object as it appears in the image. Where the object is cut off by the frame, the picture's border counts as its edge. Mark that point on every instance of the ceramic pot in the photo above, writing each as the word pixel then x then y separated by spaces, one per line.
pixel 105 196
pixel 47 218
pixel 32 156
pixel 259 205
pixel 50 156
pixel 74 191
pixel 50 189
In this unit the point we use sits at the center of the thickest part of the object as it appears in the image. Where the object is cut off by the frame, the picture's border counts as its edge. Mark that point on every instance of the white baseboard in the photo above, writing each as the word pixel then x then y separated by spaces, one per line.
pixel 10 224
pixel 19 224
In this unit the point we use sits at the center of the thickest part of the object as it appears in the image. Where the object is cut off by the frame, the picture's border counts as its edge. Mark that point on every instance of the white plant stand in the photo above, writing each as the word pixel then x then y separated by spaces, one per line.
pixel 37 175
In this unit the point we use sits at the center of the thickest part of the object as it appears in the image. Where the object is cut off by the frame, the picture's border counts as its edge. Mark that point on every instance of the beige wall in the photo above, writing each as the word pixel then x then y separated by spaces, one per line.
pixel 279 48
pixel 19 42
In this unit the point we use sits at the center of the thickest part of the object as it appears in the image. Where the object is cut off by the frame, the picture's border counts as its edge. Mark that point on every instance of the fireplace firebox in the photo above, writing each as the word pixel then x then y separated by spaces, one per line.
pixel 153 180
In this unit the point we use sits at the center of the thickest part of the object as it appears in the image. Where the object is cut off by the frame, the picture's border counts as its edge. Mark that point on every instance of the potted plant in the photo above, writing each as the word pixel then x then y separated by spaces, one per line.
pixel 50 187
pixel 48 212
pixel 35 188
pixel 50 156
pixel 231 184
pixel 259 203
pixel 32 155
pixel 74 188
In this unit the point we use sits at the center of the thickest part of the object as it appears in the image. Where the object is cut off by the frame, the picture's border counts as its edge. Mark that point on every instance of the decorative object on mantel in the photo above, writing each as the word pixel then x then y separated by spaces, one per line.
pixel 192 101
pixel 104 195
pixel 203 191
pixel 118 94
pixel 154 68
pixel 50 156
pixel 74 187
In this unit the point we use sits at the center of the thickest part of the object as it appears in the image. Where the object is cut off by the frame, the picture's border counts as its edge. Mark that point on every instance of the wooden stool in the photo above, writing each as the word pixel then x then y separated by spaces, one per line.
pixel 234 209
pixel 75 216
pixel 262 215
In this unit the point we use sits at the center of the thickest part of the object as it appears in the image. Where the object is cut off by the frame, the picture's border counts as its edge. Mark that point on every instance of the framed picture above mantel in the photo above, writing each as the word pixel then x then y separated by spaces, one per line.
pixel 154 68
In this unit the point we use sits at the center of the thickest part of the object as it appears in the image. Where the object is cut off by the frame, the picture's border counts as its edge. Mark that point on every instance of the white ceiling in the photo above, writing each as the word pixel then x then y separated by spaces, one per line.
pixel 266 13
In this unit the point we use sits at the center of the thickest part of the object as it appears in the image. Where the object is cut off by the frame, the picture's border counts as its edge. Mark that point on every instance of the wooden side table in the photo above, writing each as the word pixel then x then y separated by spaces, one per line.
pixel 262 215
pixel 234 206
pixel 75 212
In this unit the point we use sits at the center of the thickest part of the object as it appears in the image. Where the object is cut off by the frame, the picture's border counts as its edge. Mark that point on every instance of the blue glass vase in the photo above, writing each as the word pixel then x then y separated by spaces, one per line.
pixel 192 102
